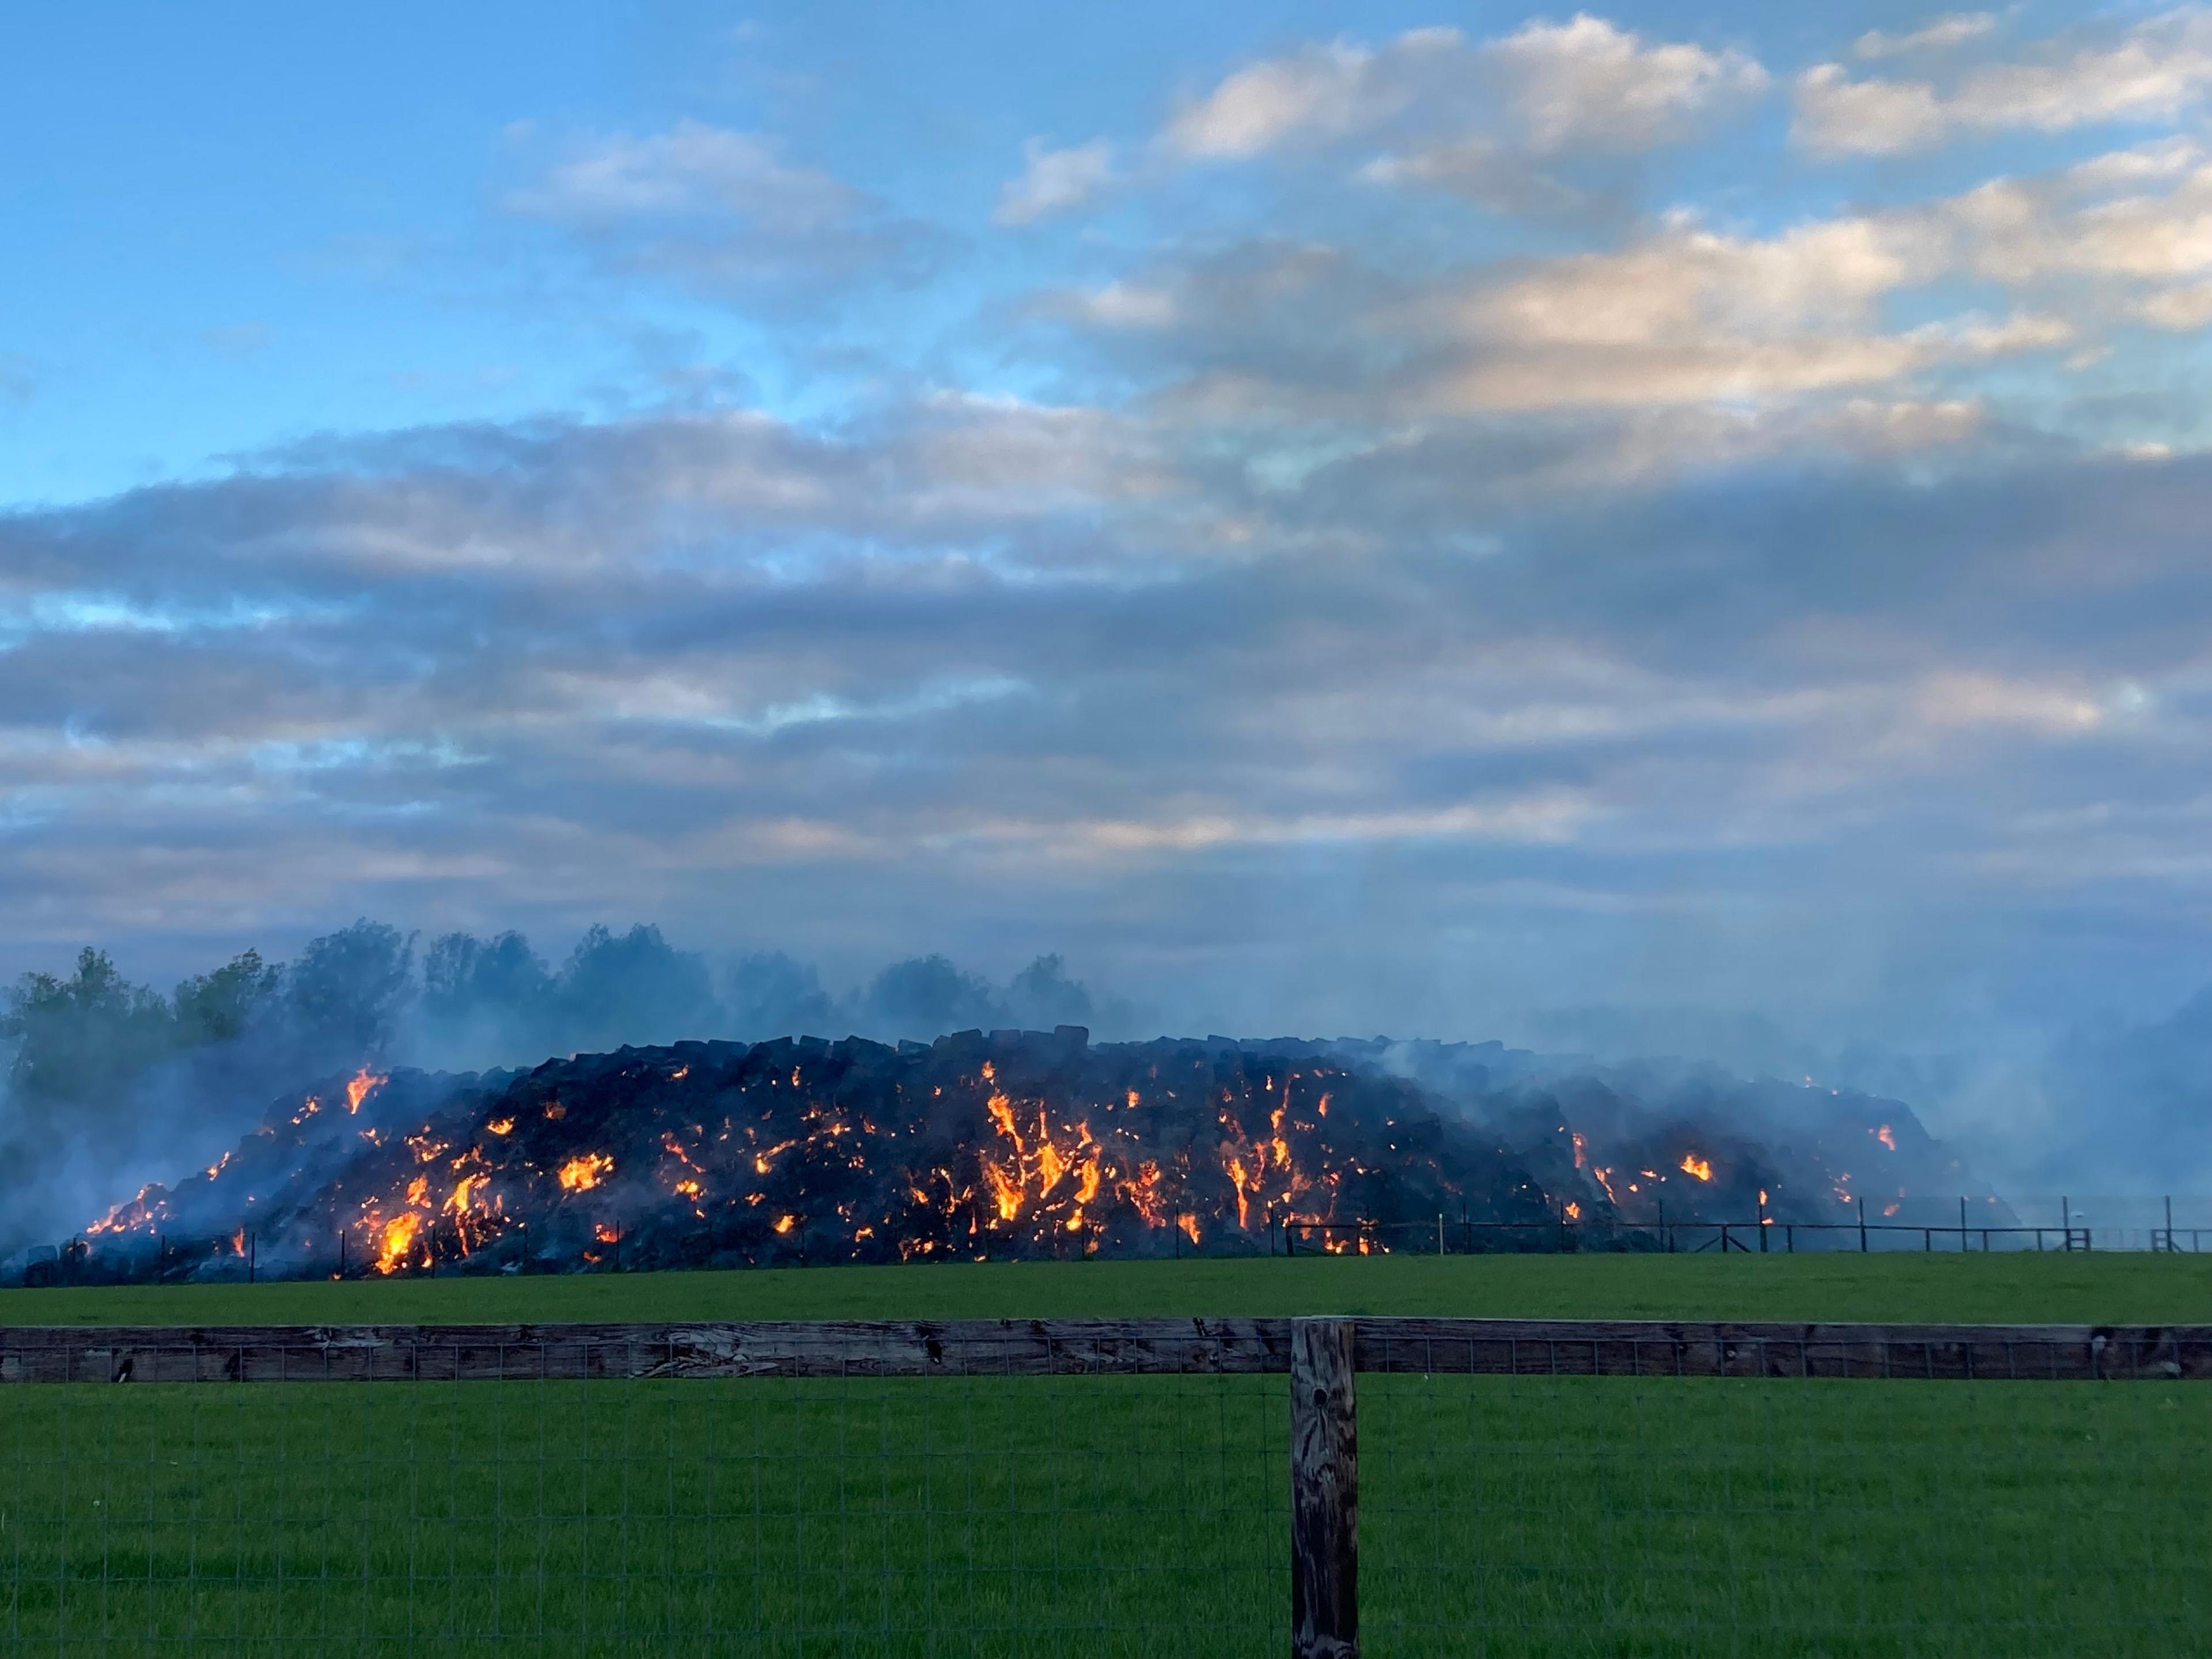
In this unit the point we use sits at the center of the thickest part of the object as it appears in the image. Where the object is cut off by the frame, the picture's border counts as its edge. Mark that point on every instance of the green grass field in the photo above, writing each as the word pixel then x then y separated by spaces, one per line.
pixel 2005 1288
pixel 1144 1516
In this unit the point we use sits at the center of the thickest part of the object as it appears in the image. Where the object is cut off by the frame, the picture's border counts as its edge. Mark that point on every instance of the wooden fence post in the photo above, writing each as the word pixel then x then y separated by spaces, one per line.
pixel 1324 1493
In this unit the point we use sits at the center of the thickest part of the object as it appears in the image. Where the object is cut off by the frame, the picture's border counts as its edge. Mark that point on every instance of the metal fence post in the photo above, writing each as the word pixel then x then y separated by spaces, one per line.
pixel 1324 1493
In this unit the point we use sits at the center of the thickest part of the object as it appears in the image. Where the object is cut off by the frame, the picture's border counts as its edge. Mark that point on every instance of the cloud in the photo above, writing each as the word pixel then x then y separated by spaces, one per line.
pixel 2125 234
pixel 1939 35
pixel 1457 690
pixel 770 680
pixel 2155 70
pixel 19 379
pixel 1055 181
pixel 1590 82
pixel 1838 116
pixel 1320 350
pixel 1586 84
pixel 690 169
pixel 1320 92
pixel 721 212
pixel 1310 350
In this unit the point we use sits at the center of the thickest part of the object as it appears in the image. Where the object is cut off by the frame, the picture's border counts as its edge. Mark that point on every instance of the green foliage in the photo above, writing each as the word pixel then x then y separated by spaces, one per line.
pixel 345 992
pixel 80 1041
pixel 218 1007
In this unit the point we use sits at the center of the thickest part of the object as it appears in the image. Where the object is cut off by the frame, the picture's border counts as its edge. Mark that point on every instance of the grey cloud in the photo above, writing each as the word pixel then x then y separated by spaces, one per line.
pixel 529 677
pixel 724 214
pixel 1053 181
pixel 2155 69
pixel 1583 84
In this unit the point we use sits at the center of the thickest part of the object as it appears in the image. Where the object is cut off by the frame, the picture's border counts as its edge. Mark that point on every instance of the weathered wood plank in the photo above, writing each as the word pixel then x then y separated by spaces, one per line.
pixel 1638 1347
pixel 473 1352
pixel 1324 1492
pixel 1063 1347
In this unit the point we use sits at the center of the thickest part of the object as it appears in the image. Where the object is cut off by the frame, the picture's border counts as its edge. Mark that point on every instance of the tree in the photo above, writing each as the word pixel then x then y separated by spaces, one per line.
pixel 1042 994
pixel 636 988
pixel 344 992
pixel 220 1007
pixel 925 997
pixel 770 995
pixel 84 1040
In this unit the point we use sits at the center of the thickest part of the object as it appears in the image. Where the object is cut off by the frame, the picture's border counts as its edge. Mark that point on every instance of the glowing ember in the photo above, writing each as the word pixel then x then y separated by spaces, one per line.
pixel 972 1148
pixel 580 1174
pixel 396 1240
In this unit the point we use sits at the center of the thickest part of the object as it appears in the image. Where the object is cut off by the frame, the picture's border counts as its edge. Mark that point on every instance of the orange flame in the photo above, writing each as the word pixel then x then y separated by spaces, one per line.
pixel 1050 1166
pixel 1883 1135
pixel 1004 1190
pixel 500 1126
pixel 784 1223
pixel 1699 1167
pixel 580 1174
pixel 358 1089
pixel 398 1237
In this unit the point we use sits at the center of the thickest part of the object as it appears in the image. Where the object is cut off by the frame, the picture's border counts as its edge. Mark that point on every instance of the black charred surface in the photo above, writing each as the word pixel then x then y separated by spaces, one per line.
pixel 1014 1144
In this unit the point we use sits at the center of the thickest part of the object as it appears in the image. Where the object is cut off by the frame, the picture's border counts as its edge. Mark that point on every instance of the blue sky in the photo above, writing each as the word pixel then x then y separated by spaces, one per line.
pixel 1332 517
pixel 232 230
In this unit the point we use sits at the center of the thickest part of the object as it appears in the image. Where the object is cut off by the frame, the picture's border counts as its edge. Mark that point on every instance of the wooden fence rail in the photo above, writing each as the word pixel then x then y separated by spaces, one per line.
pixel 975 1347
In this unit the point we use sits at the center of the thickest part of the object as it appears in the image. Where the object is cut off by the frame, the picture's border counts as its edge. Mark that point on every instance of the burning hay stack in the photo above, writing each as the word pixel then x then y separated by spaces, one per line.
pixel 1014 1144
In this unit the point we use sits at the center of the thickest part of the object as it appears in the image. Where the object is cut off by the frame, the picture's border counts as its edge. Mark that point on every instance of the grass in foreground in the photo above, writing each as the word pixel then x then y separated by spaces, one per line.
pixel 1121 1515
pixel 1102 1516
pixel 2052 1288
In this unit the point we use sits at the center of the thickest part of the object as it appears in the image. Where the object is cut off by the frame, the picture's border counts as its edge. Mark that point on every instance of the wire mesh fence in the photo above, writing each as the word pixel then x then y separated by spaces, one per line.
pixel 1923 1223
pixel 1096 1488
pixel 1920 1223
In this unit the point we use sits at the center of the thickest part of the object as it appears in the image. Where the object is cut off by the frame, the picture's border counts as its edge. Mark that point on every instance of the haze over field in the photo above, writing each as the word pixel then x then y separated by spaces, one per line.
pixel 1673 530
